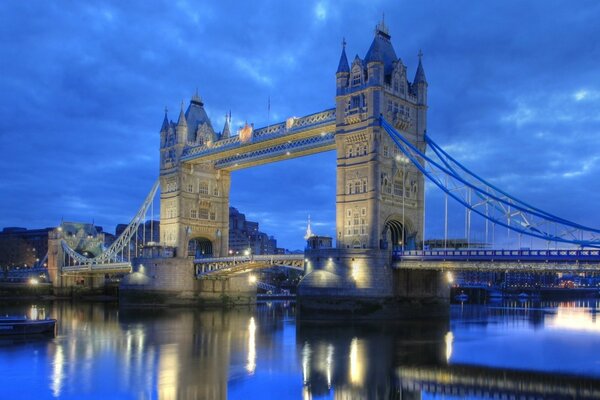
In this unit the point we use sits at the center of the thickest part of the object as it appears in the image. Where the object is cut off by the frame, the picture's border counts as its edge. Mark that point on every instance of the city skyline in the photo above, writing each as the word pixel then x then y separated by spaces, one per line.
pixel 513 94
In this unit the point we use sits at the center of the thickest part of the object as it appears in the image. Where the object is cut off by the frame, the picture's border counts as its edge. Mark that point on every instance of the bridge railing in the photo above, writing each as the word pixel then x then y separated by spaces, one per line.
pixel 240 259
pixel 498 255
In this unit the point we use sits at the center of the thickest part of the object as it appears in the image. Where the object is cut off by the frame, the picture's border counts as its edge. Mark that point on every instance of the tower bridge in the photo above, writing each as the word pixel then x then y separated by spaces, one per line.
pixel 378 129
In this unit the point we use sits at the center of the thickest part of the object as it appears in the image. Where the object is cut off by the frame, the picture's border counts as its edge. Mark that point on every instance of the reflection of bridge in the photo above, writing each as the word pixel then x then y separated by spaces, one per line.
pixel 236 265
pixel 463 380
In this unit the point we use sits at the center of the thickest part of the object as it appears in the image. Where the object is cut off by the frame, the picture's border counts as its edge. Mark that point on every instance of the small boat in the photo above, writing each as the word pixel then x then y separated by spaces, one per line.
pixel 462 297
pixel 25 326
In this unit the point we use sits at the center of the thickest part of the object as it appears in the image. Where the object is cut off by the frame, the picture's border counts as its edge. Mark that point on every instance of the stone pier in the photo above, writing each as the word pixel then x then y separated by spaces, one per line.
pixel 361 284
pixel 172 282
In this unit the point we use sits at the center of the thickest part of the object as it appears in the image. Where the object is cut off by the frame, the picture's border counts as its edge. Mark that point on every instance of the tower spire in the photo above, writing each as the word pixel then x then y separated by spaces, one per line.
pixel 420 74
pixel 165 124
pixel 343 66
pixel 181 121
pixel 309 232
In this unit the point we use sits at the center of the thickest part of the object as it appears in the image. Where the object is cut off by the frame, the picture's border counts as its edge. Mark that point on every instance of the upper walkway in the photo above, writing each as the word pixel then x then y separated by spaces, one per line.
pixel 295 137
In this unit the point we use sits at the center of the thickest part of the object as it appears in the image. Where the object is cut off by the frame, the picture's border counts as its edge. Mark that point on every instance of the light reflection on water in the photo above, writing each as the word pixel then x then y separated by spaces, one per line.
pixel 103 352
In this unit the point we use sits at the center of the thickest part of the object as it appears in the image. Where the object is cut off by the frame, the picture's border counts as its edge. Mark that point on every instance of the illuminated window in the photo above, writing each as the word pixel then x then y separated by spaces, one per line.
pixel 203 188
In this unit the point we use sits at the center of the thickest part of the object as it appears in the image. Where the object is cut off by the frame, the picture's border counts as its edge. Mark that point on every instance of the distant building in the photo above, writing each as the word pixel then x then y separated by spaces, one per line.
pixel 21 247
pixel 245 235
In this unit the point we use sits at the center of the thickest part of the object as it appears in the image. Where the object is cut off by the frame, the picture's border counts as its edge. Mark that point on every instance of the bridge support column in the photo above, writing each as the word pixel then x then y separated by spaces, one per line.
pixel 172 281
pixel 361 283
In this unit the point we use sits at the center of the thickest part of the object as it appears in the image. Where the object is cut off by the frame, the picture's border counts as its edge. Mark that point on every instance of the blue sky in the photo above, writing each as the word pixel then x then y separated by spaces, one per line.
pixel 514 93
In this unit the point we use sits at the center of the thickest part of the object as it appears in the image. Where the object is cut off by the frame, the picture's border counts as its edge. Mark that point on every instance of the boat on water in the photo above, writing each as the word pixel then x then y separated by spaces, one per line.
pixel 462 297
pixel 26 326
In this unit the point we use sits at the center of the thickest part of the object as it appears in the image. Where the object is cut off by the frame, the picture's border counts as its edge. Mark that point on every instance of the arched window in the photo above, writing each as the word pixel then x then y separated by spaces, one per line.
pixel 364 185
pixel 357 187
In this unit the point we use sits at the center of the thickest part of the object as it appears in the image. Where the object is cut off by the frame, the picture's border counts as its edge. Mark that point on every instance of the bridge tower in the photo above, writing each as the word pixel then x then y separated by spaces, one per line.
pixel 194 199
pixel 380 195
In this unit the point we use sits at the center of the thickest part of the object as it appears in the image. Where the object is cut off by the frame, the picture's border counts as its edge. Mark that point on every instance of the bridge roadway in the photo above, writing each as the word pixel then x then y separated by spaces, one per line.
pixel 499 260
pixel 466 380
pixel 100 268
pixel 237 265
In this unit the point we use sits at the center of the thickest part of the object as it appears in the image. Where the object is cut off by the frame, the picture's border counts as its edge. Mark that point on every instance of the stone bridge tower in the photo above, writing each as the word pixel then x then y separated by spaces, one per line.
pixel 380 194
pixel 194 199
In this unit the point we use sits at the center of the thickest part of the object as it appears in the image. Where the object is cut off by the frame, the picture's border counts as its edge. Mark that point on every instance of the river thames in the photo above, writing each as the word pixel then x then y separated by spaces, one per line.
pixel 501 350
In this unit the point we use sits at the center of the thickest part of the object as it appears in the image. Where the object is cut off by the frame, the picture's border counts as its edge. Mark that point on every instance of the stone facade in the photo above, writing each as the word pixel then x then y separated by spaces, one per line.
pixel 379 196
pixel 194 200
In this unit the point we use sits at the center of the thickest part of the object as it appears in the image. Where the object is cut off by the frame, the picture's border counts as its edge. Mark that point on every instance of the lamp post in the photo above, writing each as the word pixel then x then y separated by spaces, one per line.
pixel 188 232
pixel 403 160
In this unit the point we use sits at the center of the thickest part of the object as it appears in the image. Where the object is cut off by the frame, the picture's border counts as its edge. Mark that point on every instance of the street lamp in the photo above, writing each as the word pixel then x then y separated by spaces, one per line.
pixel 403 160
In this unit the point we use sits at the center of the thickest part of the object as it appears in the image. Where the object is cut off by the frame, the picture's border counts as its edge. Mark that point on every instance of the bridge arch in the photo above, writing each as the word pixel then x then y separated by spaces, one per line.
pixel 396 235
pixel 200 247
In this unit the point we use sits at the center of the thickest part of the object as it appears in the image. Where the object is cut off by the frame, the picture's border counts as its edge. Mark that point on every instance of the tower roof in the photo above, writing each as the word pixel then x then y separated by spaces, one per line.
pixel 196 115
pixel 381 49
pixel 420 74
pixel 343 66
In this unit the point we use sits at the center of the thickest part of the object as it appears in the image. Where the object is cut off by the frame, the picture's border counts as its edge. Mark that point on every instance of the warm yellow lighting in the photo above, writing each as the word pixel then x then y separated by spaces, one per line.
pixel 33 281
pixel 450 277
pixel 449 340
pixel 329 363
pixel 58 375
pixel 251 364
pixel 355 271
pixel 572 319
pixel 247 252
pixel 356 362
pixel 252 279
pixel 306 362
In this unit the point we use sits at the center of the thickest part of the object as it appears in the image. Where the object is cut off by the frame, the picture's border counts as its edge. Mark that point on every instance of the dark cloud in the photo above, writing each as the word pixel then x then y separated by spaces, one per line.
pixel 514 92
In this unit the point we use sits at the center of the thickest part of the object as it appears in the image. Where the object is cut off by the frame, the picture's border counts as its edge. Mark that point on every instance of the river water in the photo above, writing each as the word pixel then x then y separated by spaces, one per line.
pixel 502 350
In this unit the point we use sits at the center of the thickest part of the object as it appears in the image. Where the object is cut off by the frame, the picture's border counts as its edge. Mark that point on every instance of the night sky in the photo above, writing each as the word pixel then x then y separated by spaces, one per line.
pixel 514 93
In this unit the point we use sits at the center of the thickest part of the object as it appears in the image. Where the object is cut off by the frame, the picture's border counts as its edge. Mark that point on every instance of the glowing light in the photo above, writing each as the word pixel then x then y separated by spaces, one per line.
pixel 252 279
pixel 247 252
pixel 57 371
pixel 449 340
pixel 356 363
pixel 329 362
pixel 450 277
pixel 572 319
pixel 355 271
pixel 168 372
pixel 33 281
pixel 306 362
pixel 251 364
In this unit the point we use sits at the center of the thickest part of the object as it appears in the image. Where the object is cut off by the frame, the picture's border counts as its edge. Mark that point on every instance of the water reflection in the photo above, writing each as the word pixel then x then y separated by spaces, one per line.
pixel 263 352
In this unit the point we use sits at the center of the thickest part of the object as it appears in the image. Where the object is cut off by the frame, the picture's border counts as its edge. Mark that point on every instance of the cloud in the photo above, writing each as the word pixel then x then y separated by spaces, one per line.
pixel 513 93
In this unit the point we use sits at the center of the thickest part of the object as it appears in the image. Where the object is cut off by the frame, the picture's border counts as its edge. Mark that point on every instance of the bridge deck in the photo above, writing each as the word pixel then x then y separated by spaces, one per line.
pixel 501 260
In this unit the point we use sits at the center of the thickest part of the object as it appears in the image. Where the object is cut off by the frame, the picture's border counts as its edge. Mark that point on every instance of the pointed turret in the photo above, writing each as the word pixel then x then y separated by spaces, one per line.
pixel 420 74
pixel 227 128
pixel 381 49
pixel 165 124
pixel 181 121
pixel 343 66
